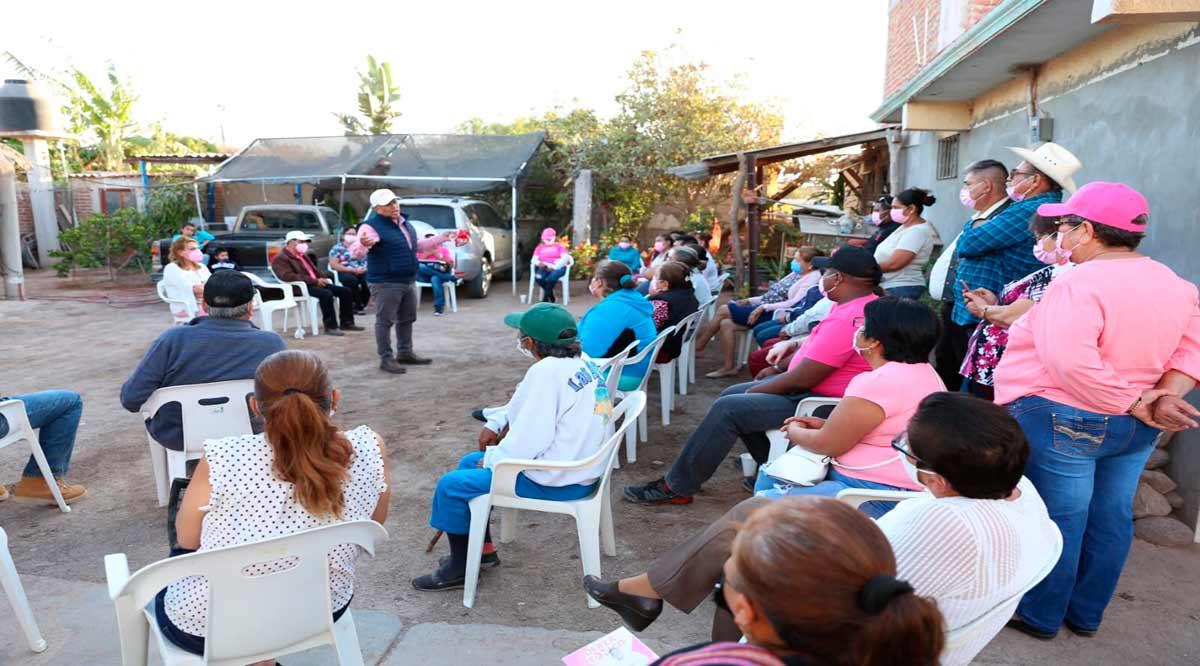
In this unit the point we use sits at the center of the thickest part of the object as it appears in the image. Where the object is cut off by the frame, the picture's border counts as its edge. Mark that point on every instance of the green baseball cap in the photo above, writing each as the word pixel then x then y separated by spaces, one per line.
pixel 544 322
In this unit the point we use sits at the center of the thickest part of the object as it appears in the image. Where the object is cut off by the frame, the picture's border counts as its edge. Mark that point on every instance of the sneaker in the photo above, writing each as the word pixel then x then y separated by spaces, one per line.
pixel 655 492
pixel 441 580
pixel 389 364
pixel 35 491
pixel 437 313
pixel 488 561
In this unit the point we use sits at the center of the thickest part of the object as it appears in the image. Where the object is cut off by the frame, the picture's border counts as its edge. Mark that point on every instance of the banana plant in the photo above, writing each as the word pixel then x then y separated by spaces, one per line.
pixel 376 97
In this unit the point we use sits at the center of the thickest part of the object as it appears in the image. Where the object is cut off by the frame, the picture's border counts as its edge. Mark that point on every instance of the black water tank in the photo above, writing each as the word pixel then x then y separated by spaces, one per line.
pixel 24 107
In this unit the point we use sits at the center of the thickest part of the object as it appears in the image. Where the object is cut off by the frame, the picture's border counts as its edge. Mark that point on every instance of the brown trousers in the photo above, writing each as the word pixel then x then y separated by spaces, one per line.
pixel 686 574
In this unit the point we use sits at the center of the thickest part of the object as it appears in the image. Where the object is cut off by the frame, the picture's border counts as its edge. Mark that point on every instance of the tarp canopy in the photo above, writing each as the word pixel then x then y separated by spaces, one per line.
pixel 421 163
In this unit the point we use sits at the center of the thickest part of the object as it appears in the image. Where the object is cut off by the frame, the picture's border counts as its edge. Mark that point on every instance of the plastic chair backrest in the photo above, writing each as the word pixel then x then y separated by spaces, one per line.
pixel 288 298
pixel 651 350
pixel 298 597
pixel 809 406
pixel 19 429
pixel 689 325
pixel 504 472
pixel 969 640
pixel 615 365
pixel 210 411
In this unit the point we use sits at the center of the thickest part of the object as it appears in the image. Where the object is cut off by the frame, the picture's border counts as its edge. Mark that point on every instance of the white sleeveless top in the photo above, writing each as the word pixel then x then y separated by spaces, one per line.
pixel 250 504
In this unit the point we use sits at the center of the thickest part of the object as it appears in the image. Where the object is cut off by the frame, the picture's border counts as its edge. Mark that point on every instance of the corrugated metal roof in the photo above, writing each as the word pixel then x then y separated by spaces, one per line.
pixel 190 158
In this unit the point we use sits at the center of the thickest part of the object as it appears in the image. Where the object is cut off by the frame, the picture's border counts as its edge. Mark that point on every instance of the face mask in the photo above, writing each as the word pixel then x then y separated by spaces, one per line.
pixel 348 239
pixel 654 287
pixel 548 241
pixel 1064 254
pixel 1044 256
pixel 521 348
pixel 898 215
pixel 821 287
pixel 659 246
pixel 194 255
pixel 911 470
pixel 623 246
pixel 1012 192
pixel 797 267
pixel 875 220
pixel 964 197
pixel 301 248
pixel 854 342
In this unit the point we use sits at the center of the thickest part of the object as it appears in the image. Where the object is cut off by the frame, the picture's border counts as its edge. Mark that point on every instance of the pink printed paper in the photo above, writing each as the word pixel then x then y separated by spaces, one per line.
pixel 619 648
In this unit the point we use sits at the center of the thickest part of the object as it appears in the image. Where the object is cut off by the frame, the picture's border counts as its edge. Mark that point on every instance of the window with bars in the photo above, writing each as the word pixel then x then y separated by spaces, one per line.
pixel 947 158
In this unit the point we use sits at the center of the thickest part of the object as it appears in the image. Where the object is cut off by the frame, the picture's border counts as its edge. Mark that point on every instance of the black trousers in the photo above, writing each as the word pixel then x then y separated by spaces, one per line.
pixel 345 299
pixel 357 284
pixel 951 348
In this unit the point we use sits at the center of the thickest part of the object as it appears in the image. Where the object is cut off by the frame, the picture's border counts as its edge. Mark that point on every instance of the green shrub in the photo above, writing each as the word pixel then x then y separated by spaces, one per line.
pixel 121 240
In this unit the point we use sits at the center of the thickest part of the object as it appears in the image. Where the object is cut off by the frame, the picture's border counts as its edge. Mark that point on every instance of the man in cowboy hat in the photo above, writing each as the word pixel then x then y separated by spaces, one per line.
pixel 993 251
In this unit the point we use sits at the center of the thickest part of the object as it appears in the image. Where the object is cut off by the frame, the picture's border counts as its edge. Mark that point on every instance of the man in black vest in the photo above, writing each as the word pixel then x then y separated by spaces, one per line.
pixel 390 245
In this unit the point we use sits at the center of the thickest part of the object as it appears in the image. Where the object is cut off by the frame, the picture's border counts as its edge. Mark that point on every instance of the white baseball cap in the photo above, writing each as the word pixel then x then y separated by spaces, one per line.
pixel 297 235
pixel 382 197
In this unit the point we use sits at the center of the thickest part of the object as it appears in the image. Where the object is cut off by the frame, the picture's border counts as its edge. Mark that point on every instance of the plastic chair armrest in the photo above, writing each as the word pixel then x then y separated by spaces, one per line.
pixel 809 405
pixel 855 497
pixel 116 572
pixel 504 472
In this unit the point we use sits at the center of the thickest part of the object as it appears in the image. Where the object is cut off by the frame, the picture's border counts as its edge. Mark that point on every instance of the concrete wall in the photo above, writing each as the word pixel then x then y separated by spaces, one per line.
pixel 1128 105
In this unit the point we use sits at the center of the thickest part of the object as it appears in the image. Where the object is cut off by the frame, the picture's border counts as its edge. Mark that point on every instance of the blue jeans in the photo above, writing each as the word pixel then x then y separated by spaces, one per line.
pixel 547 279
pixel 451 513
pixel 1086 467
pixel 835 482
pixel 437 279
pixel 56 415
pixel 766 330
pixel 906 292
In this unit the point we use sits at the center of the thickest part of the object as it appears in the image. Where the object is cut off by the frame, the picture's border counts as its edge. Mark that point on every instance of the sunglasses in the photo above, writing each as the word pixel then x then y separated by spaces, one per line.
pixel 900 443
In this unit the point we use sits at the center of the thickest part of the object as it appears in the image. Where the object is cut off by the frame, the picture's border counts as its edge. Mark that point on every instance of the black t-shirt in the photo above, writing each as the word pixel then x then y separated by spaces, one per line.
pixel 881 235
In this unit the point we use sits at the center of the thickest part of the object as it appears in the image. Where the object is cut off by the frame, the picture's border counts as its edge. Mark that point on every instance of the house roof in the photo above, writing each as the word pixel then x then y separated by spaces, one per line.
pixel 190 158
pixel 728 162
pixel 1016 32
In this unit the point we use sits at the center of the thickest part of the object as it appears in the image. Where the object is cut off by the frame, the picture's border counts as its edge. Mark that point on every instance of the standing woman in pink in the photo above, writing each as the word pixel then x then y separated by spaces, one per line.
pixel 1093 373
pixel 551 258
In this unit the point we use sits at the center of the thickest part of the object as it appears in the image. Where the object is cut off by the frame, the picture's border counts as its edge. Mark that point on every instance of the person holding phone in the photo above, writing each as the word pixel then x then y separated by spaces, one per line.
pixel 437 268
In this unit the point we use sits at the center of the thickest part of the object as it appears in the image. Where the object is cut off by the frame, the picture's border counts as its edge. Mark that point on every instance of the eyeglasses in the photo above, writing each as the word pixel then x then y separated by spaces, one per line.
pixel 858 322
pixel 900 443
pixel 1026 174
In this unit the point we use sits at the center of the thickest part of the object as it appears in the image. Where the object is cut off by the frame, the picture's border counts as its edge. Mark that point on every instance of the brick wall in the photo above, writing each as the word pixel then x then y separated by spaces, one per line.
pixel 24 211
pixel 903 59
pixel 84 204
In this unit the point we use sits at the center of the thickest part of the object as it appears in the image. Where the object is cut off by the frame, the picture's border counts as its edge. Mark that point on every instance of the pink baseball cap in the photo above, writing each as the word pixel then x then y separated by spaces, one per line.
pixel 1114 205
pixel 549 233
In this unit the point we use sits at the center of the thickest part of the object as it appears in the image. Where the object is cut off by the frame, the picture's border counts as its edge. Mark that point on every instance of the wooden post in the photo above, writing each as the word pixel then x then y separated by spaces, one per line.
pixel 581 208
pixel 753 217
pixel 894 141
pixel 735 207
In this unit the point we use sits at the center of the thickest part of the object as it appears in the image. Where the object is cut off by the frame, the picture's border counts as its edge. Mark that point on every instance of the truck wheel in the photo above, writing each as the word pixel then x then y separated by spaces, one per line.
pixel 478 288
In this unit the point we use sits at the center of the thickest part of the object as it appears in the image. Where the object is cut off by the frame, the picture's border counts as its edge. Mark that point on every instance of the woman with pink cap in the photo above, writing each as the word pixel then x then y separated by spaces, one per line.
pixel 1093 373
pixel 551 259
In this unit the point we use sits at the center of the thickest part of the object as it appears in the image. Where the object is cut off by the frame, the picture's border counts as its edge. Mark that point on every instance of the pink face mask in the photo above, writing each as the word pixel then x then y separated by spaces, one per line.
pixel 875 218
pixel 1043 256
pixel 898 215
pixel 301 248
pixel 964 197
pixel 659 246
pixel 194 255
pixel 1011 191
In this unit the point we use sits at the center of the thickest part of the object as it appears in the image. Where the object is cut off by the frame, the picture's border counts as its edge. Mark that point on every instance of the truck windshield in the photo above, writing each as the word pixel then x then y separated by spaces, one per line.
pixel 438 217
pixel 280 220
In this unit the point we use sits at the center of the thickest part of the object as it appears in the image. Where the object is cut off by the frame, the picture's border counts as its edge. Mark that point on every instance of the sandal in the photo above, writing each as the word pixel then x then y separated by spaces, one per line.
pixel 719 374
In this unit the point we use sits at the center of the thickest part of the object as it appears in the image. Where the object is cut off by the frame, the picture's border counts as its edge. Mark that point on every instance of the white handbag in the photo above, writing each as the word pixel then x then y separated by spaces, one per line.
pixel 801 467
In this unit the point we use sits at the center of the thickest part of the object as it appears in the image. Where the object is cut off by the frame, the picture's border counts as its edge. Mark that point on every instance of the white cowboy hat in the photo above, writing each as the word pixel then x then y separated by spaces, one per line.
pixel 1053 160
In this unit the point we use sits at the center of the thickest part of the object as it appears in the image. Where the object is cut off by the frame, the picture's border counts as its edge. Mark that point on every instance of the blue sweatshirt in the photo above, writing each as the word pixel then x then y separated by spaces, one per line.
pixel 622 317
pixel 631 258
pixel 205 350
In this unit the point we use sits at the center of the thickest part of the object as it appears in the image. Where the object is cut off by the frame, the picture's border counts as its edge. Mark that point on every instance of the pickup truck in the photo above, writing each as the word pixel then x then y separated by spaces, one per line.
pixel 257 236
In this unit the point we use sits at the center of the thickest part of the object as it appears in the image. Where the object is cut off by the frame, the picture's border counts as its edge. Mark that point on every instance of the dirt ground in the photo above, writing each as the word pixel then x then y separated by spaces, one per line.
pixel 424 417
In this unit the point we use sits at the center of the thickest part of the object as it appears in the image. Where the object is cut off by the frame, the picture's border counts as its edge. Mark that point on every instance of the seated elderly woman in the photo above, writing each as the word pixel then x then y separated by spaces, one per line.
pixel 748 312
pixel 302 472
pixel 969 455
pixel 812 581
pixel 559 412
pixel 895 338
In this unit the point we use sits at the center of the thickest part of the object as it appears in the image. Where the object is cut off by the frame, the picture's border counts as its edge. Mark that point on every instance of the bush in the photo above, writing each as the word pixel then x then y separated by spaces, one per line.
pixel 585 255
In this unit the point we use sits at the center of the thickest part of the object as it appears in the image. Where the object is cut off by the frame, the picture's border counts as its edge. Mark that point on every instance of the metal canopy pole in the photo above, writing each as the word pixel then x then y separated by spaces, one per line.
pixel 513 240
pixel 342 203
pixel 196 191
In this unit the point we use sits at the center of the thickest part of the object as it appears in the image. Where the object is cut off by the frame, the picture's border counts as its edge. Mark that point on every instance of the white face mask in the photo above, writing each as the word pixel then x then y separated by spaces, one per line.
pixel 854 343
pixel 521 348
pixel 821 287
pixel 911 469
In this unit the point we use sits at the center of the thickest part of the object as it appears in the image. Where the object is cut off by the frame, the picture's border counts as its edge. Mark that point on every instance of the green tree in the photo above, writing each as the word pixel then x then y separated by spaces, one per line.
pixel 376 97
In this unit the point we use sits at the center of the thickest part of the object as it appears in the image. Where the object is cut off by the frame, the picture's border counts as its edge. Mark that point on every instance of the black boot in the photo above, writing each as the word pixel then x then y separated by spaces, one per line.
pixel 450 575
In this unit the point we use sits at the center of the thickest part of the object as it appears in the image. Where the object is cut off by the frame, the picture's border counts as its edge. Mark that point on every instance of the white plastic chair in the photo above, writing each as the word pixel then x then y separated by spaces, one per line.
pixel 310 316
pixel 687 328
pixel 806 407
pixel 16 597
pixel 19 429
pixel 719 283
pixel 285 304
pixel 593 514
pixel 708 310
pixel 214 420
pixel 188 306
pixel 744 339
pixel 651 351
pixel 613 366
pixel 964 643
pixel 450 287
pixel 565 280
pixel 250 618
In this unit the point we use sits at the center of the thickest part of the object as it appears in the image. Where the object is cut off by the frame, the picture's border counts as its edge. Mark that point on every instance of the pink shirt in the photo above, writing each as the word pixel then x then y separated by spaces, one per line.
pixel 832 343
pixel 549 253
pixel 439 253
pixel 1103 333
pixel 358 250
pixel 897 388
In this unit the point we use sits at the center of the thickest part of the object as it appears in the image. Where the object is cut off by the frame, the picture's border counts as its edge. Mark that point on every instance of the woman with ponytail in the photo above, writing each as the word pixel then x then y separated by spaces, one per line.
pixel 622 316
pixel 301 472
pixel 811 581
pixel 902 255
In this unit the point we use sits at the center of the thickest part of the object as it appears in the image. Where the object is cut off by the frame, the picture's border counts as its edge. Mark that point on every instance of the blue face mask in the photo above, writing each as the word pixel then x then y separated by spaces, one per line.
pixel 796 266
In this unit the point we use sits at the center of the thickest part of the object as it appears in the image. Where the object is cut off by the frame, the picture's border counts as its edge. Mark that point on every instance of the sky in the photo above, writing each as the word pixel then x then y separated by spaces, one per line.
pixel 251 69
